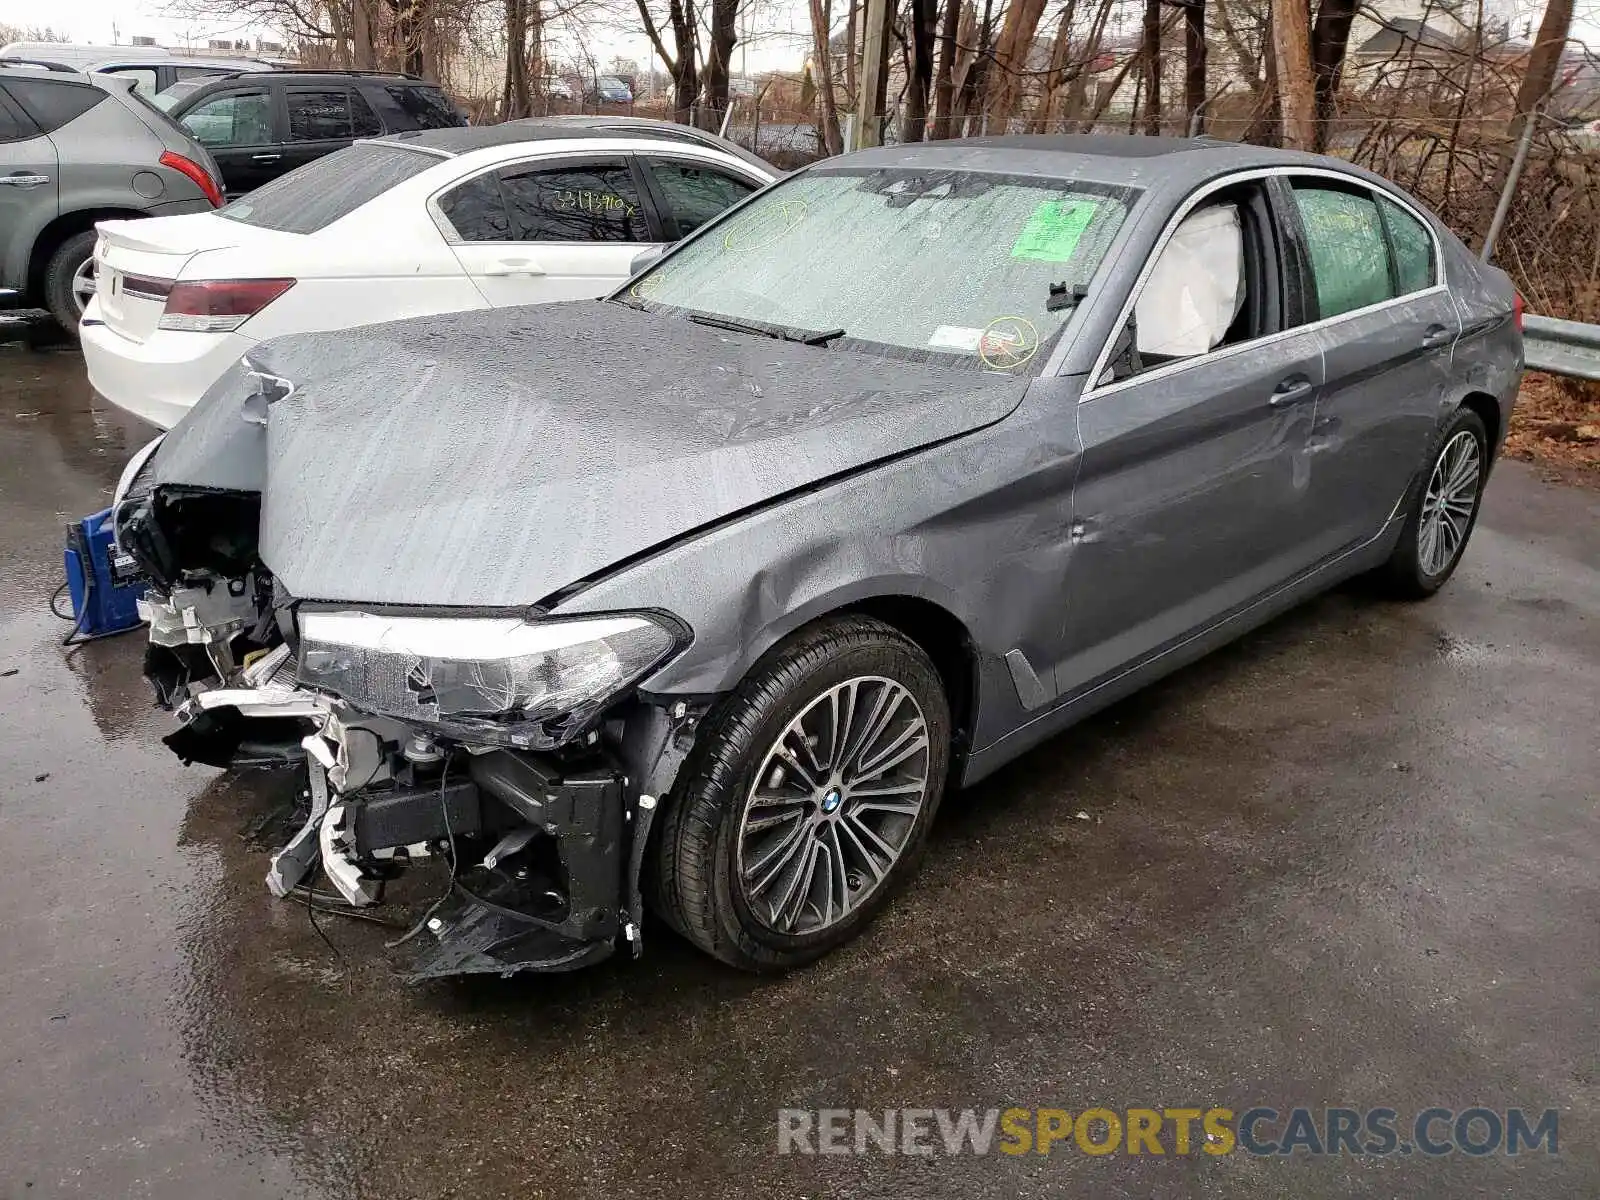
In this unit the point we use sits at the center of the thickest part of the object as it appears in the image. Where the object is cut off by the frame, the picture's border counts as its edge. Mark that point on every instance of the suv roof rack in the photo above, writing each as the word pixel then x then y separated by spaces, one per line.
pixel 38 62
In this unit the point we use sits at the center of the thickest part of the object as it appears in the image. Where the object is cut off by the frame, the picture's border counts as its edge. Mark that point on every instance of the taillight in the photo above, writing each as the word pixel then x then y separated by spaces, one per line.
pixel 219 305
pixel 1516 311
pixel 201 176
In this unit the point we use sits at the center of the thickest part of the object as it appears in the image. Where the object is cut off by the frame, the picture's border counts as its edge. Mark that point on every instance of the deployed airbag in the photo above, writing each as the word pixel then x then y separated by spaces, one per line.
pixel 1196 288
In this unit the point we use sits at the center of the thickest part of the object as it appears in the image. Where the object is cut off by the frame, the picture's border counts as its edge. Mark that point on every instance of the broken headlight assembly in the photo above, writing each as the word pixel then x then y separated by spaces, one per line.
pixel 506 680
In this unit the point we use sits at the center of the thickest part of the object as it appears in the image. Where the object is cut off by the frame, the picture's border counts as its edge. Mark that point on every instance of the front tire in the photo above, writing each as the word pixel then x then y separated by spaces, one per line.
pixel 69 280
pixel 1443 512
pixel 808 798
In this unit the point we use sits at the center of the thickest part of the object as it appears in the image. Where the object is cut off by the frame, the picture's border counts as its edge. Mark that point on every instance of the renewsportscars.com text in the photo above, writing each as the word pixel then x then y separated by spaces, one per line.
pixel 1432 1132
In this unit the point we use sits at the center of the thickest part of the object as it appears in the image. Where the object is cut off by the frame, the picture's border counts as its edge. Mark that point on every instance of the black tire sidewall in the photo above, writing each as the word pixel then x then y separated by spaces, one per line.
pixel 64 263
pixel 889 655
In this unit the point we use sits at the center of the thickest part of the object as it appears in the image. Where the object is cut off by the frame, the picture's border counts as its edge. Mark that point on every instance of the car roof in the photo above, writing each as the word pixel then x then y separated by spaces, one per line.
pixel 1129 159
pixel 644 126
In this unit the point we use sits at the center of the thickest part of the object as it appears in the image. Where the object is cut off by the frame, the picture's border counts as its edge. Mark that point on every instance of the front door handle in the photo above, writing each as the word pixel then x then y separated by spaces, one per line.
pixel 22 180
pixel 1435 335
pixel 1292 391
pixel 265 157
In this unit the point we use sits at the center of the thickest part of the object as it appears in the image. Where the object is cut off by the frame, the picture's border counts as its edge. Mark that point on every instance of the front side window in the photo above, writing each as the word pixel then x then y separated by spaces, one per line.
pixel 234 119
pixel 694 194
pixel 1195 290
pixel 1413 247
pixel 1349 256
pixel 956 267
pixel 596 202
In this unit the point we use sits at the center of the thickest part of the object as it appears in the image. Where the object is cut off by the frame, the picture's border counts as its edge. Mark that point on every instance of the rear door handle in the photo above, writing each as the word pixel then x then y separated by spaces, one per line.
pixel 1435 335
pixel 1292 391
pixel 24 181
pixel 265 157
pixel 514 266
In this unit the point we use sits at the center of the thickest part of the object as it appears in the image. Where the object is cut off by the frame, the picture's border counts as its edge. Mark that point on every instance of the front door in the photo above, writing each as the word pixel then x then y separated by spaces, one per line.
pixel 532 233
pixel 1387 327
pixel 1191 497
pixel 238 127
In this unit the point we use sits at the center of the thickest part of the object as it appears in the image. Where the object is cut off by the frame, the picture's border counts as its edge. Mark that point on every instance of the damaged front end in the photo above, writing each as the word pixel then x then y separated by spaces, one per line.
pixel 509 748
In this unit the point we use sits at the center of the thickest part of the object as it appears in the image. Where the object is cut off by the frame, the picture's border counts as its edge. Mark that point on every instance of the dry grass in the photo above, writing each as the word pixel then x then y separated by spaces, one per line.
pixel 1556 423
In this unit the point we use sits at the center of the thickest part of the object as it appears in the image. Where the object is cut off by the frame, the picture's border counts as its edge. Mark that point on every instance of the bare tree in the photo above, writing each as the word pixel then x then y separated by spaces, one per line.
pixel 919 81
pixel 1291 43
pixel 1543 63
pixel 1329 38
pixel 1194 58
pixel 821 35
pixel 1150 49
pixel 724 36
pixel 682 61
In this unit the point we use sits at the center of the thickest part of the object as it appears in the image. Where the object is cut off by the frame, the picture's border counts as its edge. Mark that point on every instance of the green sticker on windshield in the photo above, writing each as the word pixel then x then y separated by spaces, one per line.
pixel 1053 230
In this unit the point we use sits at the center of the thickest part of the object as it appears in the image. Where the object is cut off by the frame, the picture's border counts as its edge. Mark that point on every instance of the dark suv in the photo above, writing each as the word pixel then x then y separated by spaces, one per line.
pixel 259 126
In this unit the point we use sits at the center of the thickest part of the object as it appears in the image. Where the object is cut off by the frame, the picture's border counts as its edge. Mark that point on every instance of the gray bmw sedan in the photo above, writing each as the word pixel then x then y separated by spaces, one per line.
pixel 698 598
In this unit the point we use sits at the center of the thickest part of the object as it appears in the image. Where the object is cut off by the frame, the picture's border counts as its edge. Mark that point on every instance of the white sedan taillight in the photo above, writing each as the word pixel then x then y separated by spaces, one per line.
pixel 219 305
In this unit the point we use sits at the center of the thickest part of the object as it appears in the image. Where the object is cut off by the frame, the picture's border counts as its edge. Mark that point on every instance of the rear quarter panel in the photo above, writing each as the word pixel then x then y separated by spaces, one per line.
pixel 1488 356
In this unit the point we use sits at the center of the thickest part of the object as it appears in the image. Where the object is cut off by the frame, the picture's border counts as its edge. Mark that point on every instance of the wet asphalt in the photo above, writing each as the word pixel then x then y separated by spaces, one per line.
pixel 1350 860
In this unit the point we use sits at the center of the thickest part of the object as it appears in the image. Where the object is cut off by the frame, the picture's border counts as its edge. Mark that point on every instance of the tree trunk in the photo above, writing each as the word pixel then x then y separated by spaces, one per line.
pixel 1150 48
pixel 832 143
pixel 514 96
pixel 365 51
pixel 1077 93
pixel 724 36
pixel 974 84
pixel 852 36
pixel 944 92
pixel 1010 60
pixel 1330 35
pixel 924 19
pixel 1194 62
pixel 1056 74
pixel 1543 63
pixel 1291 43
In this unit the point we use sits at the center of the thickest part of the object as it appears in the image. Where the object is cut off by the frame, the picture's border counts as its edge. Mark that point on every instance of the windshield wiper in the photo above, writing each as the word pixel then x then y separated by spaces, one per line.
pixel 787 333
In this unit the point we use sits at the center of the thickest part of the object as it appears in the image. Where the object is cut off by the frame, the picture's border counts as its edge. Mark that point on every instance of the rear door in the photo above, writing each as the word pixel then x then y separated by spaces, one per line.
pixel 546 230
pixel 321 118
pixel 27 189
pixel 690 191
pixel 1388 328
pixel 239 127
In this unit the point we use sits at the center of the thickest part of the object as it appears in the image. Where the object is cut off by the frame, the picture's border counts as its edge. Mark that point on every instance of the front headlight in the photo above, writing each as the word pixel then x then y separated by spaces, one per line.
pixel 501 679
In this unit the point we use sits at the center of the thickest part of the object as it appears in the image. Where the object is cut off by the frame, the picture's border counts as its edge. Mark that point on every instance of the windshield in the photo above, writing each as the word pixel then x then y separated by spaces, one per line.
pixel 944 266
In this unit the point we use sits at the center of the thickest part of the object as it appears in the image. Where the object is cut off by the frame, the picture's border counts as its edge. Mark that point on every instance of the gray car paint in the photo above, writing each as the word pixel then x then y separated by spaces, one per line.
pixel 1098 541
pixel 91 163
pixel 510 453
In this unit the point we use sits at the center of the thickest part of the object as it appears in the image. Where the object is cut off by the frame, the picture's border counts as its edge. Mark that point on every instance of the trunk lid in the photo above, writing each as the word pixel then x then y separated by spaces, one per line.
pixel 137 261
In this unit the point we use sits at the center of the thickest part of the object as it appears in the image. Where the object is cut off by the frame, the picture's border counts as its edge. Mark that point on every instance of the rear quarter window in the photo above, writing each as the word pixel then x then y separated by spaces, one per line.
pixel 53 103
pixel 331 187
pixel 427 107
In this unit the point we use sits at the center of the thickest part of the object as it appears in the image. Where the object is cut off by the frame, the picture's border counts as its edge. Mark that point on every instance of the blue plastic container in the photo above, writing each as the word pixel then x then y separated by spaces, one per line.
pixel 104 589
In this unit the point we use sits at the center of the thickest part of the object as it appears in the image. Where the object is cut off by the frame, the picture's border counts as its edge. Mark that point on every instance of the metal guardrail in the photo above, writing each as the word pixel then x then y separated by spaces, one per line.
pixel 1561 347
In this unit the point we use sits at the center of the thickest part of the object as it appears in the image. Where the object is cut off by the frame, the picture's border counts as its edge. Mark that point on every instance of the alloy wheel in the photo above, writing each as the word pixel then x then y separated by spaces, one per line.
pixel 833 805
pixel 1449 502
pixel 83 285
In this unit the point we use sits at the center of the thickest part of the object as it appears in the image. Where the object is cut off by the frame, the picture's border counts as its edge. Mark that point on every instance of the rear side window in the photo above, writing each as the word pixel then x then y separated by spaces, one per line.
pixel 427 107
pixel 319 193
pixel 695 194
pixel 1413 247
pixel 52 103
pixel 591 203
pixel 14 127
pixel 476 210
pixel 1349 256
pixel 323 115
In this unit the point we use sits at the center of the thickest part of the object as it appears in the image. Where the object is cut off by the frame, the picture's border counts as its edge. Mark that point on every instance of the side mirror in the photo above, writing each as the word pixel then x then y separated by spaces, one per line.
pixel 644 258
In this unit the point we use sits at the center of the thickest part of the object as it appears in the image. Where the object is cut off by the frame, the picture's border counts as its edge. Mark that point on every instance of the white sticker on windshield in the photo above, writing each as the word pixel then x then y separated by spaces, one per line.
pixel 956 337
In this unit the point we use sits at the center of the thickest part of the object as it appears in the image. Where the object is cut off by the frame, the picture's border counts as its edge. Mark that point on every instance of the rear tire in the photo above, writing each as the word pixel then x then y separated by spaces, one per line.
pixel 64 278
pixel 1443 512
pixel 784 837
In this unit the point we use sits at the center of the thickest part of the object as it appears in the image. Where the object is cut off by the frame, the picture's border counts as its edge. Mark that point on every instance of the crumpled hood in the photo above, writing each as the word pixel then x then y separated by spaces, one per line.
pixel 493 458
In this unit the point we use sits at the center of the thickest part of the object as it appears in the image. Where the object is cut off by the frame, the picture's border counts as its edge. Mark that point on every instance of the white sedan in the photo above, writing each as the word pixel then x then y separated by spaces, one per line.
pixel 436 221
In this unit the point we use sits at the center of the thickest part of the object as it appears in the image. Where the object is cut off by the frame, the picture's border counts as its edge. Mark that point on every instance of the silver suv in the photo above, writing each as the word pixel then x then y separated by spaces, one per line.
pixel 76 149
